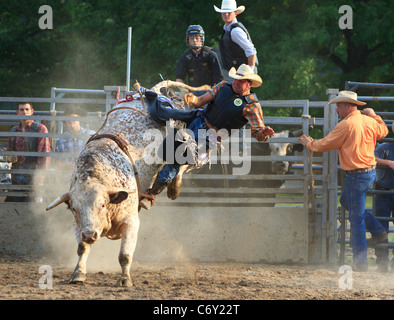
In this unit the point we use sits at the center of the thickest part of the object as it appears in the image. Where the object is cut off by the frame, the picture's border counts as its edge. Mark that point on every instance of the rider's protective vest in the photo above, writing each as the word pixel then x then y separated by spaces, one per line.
pixel 232 54
pixel 199 69
pixel 226 110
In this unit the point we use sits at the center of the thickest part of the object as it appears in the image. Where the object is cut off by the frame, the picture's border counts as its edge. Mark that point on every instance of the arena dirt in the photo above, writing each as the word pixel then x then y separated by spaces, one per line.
pixel 20 277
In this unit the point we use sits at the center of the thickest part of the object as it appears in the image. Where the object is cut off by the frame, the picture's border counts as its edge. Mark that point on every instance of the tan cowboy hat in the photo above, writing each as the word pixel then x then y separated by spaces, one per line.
pixel 230 6
pixel 347 96
pixel 246 72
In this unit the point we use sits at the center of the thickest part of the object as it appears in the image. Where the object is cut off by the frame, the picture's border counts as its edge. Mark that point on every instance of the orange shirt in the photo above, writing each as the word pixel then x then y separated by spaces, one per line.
pixel 355 138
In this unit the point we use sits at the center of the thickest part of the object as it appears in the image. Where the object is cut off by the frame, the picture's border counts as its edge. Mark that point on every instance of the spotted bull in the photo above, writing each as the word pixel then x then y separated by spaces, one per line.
pixel 108 175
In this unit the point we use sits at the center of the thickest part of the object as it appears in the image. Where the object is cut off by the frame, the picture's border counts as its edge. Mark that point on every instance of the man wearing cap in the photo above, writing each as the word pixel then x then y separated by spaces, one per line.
pixel 229 105
pixel 355 138
pixel 199 63
pixel 236 46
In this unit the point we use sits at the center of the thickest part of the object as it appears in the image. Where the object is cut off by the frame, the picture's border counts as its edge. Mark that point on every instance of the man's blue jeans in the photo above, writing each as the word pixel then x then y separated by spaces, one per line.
pixel 353 199
pixel 384 207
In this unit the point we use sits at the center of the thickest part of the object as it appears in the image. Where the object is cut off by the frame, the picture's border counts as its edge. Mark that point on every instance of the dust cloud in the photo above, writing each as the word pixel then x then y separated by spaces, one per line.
pixel 58 243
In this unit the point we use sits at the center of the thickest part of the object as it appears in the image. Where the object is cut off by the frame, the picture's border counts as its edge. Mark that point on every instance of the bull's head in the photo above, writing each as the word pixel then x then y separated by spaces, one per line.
pixel 90 205
pixel 283 149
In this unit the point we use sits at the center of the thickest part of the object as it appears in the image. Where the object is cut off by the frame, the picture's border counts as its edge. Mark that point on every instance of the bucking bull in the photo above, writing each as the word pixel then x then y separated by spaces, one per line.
pixel 108 176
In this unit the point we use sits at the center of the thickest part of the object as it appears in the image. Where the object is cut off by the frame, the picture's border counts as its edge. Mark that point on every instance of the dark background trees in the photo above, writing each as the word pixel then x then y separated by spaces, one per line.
pixel 301 49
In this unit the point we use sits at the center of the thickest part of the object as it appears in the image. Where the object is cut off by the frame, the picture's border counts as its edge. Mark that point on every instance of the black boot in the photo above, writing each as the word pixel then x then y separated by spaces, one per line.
pixel 147 199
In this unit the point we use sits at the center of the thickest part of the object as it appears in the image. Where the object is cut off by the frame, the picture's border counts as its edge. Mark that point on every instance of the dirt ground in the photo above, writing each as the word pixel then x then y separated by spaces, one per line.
pixel 20 280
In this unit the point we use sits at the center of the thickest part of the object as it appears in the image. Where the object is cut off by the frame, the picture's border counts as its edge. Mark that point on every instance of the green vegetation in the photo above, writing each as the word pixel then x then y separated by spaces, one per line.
pixel 302 50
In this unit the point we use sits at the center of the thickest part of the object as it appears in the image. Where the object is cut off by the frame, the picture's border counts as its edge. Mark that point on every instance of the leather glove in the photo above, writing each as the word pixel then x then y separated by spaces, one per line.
pixel 190 98
pixel 137 86
pixel 12 159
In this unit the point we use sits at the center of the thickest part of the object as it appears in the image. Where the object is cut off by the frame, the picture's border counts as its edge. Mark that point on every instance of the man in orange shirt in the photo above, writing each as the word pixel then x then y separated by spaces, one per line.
pixel 355 138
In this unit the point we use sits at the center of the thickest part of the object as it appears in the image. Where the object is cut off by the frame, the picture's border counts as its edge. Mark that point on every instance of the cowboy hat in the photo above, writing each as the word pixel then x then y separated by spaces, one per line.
pixel 230 6
pixel 347 96
pixel 246 72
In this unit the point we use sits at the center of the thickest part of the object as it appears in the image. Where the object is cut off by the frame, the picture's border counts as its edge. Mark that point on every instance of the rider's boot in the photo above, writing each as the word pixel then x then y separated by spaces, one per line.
pixel 147 199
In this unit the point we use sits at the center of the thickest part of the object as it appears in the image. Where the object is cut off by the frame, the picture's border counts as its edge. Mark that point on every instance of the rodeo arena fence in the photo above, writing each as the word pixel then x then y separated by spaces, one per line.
pixel 275 218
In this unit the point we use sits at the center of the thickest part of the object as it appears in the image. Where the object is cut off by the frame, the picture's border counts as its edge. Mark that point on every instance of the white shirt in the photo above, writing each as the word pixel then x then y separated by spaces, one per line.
pixel 239 37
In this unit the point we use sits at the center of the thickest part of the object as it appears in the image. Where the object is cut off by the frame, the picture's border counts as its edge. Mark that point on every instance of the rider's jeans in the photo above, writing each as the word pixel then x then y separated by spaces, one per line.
pixel 169 171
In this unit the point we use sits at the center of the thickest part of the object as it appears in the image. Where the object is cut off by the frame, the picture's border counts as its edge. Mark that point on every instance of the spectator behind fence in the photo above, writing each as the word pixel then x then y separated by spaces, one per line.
pixel 76 142
pixel 199 63
pixel 28 144
pixel 236 46
pixel 384 203
pixel 355 138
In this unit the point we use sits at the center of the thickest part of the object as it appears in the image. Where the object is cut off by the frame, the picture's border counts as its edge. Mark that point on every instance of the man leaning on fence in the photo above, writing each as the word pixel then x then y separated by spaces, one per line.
pixel 355 138
pixel 28 144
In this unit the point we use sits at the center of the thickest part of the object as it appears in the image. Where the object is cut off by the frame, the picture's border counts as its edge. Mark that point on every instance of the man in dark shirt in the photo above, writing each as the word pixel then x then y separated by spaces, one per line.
pixel 229 105
pixel 199 63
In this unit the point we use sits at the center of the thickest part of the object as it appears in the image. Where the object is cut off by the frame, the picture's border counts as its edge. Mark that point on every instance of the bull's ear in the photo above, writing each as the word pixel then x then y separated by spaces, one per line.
pixel 118 197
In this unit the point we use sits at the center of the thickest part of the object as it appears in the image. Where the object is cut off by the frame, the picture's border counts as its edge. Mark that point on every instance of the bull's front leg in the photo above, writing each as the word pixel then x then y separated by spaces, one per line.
pixel 79 274
pixel 127 248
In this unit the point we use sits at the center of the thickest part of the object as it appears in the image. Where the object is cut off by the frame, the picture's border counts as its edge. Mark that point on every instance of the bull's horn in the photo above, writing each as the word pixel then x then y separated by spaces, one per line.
pixel 169 83
pixel 65 197
pixel 299 132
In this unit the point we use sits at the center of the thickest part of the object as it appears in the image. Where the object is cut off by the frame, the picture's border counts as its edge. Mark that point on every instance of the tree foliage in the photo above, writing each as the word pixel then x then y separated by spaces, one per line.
pixel 301 49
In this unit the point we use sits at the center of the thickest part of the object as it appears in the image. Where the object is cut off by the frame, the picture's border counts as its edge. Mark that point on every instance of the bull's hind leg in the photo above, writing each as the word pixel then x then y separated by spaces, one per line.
pixel 127 248
pixel 79 274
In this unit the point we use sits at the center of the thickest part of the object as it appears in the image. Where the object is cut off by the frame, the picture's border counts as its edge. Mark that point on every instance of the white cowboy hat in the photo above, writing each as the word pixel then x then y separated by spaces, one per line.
pixel 347 96
pixel 230 6
pixel 246 72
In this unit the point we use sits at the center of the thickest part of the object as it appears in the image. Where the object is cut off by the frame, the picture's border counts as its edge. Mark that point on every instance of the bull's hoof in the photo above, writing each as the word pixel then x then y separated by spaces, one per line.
pixel 77 278
pixel 124 282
